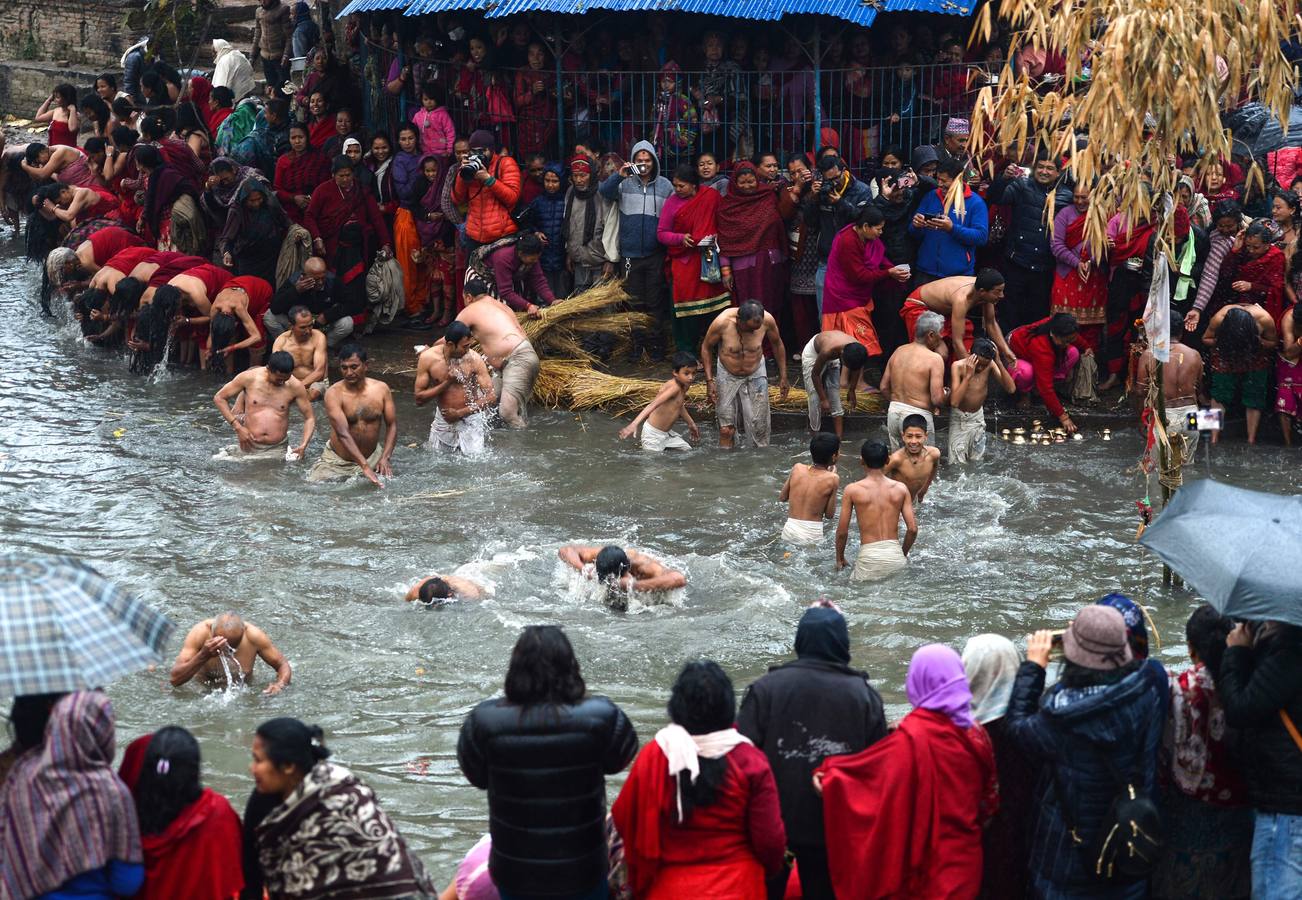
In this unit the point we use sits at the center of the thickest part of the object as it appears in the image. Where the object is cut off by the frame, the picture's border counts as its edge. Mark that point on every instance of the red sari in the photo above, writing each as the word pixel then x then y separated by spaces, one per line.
pixel 692 296
pixel 1086 300
pixel 904 817
pixel 197 856
pixel 1266 274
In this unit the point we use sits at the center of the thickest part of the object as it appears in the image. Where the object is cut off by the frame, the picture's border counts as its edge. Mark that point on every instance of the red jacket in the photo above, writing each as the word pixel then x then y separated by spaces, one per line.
pixel 330 210
pixel 1040 352
pixel 488 217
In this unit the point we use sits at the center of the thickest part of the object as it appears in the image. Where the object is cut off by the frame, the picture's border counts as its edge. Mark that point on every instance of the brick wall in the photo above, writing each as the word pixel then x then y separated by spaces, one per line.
pixel 24 85
pixel 77 33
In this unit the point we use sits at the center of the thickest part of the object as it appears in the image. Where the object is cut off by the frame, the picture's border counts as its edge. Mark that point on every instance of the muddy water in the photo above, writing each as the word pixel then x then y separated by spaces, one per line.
pixel 119 470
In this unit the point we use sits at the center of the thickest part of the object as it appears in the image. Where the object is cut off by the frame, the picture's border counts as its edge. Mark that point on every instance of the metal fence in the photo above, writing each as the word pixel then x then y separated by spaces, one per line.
pixel 730 112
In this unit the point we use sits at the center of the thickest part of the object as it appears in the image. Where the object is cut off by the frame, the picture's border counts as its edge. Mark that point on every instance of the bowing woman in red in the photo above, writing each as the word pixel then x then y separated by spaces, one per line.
pixel 904 817
pixel 191 836
pixel 699 813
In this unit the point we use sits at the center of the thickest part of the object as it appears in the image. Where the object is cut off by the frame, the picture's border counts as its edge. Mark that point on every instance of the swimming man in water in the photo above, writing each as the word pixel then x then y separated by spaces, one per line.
pixel 622 571
pixel 438 590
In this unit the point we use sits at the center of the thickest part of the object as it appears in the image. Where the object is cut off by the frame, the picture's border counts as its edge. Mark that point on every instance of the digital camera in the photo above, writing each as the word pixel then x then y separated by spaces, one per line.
pixel 474 162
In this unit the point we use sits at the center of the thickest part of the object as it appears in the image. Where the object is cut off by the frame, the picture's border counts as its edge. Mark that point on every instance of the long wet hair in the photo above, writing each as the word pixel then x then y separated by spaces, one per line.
pixel 220 334
pixel 124 302
pixel 169 779
pixel 543 668
pixel 88 300
pixel 702 701
pixel 1238 337
pixel 153 326
pixel 288 742
pixel 42 233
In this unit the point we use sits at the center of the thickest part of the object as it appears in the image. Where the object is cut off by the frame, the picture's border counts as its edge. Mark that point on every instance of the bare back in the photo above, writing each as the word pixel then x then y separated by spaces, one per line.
pixel 944 294
pixel 1180 376
pixel 910 373
pixel 495 326
pixel 194 291
pixel 811 493
pixel 878 505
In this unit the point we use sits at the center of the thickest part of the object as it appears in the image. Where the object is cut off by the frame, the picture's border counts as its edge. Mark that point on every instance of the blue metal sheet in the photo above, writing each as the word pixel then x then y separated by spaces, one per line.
pixel 359 6
pixel 859 12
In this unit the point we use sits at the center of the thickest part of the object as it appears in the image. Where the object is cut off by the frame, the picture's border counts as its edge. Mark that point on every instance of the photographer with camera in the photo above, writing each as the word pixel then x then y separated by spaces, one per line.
pixel 489 185
pixel 834 200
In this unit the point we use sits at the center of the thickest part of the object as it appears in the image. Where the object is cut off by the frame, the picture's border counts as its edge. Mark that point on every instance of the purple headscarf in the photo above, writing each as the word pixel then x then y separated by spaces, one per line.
pixel 937 682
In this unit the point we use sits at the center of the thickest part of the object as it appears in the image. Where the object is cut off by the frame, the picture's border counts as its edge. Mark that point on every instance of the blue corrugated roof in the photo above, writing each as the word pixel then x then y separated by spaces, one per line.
pixel 859 12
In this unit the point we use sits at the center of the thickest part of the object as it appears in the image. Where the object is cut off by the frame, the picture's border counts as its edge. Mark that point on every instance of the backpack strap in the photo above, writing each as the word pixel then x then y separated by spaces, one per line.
pixel 1292 729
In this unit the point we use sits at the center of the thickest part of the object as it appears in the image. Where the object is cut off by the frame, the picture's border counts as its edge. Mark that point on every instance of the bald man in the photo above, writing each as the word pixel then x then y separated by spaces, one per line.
pixel 239 642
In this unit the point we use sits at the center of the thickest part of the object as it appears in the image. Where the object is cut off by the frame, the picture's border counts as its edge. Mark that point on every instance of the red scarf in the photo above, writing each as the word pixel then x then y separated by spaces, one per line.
pixel 1131 244
pixel 198 856
pixel 749 223
pixel 697 217
pixel 320 132
pixel 1266 273
pixel 1076 235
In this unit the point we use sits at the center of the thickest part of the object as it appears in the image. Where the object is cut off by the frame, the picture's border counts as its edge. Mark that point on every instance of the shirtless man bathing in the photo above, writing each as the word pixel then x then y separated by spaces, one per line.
pixel 356 407
pixel 456 378
pixel 739 386
pixel 810 492
pixel 957 299
pixel 505 347
pixel 914 465
pixel 261 419
pixel 622 571
pixel 240 642
pixel 307 346
pixel 970 380
pixel 914 381
pixel 878 503
pixel 1181 379
pixel 440 590
pixel 820 367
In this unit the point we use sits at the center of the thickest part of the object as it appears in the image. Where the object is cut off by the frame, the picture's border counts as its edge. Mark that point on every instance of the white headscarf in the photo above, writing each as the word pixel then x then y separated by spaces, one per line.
pixel 991 662
pixel 140 44
pixel 684 750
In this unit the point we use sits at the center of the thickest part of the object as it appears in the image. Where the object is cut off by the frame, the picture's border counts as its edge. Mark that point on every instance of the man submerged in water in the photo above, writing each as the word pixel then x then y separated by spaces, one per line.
pixel 810 492
pixel 261 418
pixel 914 464
pixel 439 590
pixel 356 407
pixel 622 571
pixel 240 642
pixel 878 503
pixel 456 378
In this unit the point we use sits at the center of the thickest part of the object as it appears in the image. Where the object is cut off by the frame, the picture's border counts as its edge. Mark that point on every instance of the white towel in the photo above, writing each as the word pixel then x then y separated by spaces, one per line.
pixel 684 750
pixel 802 533
pixel 878 560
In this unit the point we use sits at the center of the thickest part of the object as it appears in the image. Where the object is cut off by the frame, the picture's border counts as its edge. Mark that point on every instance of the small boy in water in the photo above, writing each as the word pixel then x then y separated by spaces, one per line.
pixel 669 406
pixel 915 463
pixel 967 416
pixel 810 492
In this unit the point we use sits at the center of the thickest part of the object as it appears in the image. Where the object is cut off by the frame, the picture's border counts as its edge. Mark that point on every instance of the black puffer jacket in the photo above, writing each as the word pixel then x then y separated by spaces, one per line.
pixel 900 245
pixel 1075 731
pixel 807 710
pixel 1254 684
pixel 543 767
pixel 1027 240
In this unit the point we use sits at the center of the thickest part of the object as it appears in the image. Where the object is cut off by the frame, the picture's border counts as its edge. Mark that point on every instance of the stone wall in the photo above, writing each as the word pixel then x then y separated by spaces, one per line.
pixel 71 32
pixel 25 85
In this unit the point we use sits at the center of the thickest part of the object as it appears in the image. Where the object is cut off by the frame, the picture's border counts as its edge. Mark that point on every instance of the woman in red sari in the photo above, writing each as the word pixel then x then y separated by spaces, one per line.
pixel 687 219
pixel 299 172
pixel 535 103
pixel 753 235
pixel 904 817
pixel 1253 274
pixel 1080 283
pixel 191 836
pixel 699 813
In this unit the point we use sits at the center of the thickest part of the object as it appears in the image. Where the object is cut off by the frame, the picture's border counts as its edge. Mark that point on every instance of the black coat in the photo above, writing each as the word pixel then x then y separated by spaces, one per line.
pixel 543 767
pixel 1027 240
pixel 900 245
pixel 800 713
pixel 1254 684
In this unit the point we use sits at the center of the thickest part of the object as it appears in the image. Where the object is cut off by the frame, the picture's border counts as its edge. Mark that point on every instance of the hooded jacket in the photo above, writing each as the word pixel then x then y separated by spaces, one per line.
pixel 945 253
pixel 806 710
pixel 232 69
pixel 1075 731
pixel 1027 240
pixel 639 206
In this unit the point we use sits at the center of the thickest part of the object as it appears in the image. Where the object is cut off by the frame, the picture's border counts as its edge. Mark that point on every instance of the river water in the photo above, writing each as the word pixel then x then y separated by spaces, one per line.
pixel 118 469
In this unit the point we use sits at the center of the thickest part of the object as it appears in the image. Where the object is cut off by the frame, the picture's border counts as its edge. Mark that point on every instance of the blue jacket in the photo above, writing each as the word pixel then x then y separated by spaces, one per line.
pixel 1070 730
pixel 945 253
pixel 639 206
pixel 549 218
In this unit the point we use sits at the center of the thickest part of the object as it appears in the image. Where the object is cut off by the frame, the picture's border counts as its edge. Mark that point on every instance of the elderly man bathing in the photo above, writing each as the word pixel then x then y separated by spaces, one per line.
pixel 914 379
pixel 739 387
pixel 240 642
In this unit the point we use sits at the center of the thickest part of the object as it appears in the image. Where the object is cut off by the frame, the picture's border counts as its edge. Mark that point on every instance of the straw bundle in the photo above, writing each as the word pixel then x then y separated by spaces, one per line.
pixel 1174 63
pixel 603 295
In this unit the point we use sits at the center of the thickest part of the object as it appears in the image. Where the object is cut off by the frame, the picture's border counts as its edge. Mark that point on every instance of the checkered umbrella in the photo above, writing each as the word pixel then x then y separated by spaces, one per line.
pixel 64 627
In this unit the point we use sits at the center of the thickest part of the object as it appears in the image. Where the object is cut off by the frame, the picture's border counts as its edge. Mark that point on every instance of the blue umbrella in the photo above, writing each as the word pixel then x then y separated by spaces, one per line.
pixel 64 627
pixel 1234 547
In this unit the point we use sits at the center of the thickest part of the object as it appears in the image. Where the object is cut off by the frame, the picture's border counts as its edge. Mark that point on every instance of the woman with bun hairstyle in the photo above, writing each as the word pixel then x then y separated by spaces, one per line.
pixel 328 837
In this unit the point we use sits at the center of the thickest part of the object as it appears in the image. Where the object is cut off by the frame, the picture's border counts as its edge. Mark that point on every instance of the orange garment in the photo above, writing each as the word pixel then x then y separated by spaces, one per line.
pixel 488 213
pixel 415 276
pixel 858 323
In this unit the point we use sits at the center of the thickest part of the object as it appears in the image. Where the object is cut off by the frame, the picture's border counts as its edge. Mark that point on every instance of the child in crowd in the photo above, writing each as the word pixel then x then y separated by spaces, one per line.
pixel 437 133
pixel 810 492
pixel 669 406
pixel 914 464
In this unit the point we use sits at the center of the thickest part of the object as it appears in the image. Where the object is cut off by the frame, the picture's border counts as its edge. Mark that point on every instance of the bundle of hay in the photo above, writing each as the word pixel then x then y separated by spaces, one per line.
pixel 606 294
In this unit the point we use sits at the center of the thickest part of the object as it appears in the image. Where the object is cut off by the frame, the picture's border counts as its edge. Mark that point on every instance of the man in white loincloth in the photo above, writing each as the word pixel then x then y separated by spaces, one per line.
pixel 739 388
pixel 456 377
pixel 1181 379
pixel 505 347
pixel 914 381
pixel 820 369
pixel 810 492
pixel 260 419
pixel 970 377
pixel 357 407
pixel 669 405
pixel 308 347
pixel 878 503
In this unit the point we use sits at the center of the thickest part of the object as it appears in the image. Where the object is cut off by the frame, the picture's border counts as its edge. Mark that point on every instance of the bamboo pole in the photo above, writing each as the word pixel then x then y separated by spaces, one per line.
pixel 1163 452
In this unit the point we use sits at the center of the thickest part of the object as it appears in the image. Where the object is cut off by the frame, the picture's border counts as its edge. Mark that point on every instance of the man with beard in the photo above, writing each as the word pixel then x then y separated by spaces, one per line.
pixel 585 223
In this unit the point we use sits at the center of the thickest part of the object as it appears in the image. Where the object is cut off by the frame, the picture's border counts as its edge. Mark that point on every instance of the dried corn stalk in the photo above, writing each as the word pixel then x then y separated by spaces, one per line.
pixel 1176 63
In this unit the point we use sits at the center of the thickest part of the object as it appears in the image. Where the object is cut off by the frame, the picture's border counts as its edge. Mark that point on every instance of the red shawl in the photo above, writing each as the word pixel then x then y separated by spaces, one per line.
pixel 697 217
pixel 904 817
pixel 320 132
pixel 749 223
pixel 1266 273
pixel 198 856
pixel 1131 243
pixel 642 807
pixel 216 117
pixel 1075 235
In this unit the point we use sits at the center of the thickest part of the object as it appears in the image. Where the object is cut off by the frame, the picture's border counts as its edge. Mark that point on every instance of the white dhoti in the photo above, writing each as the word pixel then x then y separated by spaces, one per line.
pixel 656 441
pixel 896 413
pixel 466 435
pixel 333 467
pixel 744 398
pixel 879 560
pixel 967 436
pixel 1177 428
pixel 831 384
pixel 802 533
pixel 257 451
